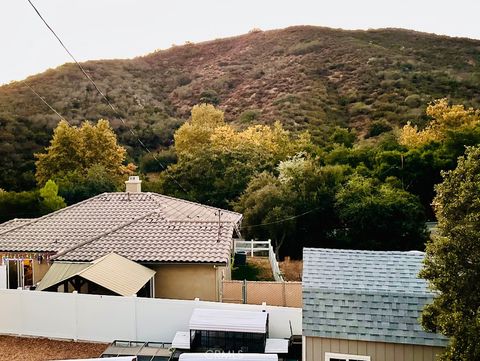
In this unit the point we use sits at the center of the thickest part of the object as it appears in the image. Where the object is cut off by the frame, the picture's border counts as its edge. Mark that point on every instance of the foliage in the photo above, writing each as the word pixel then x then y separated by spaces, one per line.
pixel 379 216
pixel 31 204
pixel 215 161
pixel 157 162
pixel 75 150
pixel 76 186
pixel 452 263
pixel 51 201
pixel 338 78
pixel 445 119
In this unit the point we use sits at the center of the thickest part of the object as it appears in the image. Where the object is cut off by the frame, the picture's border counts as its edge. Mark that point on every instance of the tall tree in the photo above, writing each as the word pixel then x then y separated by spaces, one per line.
pixel 452 262
pixel 75 150
pixel 380 216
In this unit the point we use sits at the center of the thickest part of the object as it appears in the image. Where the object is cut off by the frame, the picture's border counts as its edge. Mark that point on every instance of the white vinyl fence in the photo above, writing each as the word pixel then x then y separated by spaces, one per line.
pixel 108 318
pixel 252 247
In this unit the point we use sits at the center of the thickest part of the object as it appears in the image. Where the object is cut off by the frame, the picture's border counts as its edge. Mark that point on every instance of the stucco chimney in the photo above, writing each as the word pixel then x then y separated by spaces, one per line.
pixel 134 184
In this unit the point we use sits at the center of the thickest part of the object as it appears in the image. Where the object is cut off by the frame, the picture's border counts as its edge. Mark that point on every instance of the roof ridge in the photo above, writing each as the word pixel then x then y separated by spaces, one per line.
pixel 363 251
pixel 212 208
pixel 112 230
pixel 34 220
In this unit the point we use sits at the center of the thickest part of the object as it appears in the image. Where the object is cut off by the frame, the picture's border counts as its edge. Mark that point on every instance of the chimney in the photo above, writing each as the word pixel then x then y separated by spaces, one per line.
pixel 133 185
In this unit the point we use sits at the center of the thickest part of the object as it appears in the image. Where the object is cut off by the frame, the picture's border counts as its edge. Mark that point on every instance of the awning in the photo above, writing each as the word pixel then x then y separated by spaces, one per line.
pixel 113 272
pixel 229 357
pixel 60 272
pixel 276 345
pixel 228 320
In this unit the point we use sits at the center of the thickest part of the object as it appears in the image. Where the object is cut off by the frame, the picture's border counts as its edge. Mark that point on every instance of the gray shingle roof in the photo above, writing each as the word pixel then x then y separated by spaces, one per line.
pixel 365 295
pixel 139 224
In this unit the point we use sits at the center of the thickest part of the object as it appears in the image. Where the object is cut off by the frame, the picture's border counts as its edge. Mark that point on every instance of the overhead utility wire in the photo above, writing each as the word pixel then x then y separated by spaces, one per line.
pixel 125 123
pixel 45 102
pixel 281 220
pixel 103 95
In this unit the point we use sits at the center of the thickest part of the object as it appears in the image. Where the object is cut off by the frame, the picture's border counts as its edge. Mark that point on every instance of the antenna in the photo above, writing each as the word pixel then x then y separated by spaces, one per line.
pixel 219 225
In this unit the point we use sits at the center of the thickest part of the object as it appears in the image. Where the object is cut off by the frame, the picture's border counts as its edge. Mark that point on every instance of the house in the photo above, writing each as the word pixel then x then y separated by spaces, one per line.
pixel 365 305
pixel 188 245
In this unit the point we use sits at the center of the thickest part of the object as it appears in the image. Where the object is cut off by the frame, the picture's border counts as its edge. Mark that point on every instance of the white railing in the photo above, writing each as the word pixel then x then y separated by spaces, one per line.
pixel 252 247
pixel 109 318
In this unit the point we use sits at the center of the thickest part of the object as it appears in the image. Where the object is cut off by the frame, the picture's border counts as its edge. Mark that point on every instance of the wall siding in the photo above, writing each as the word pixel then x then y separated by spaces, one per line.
pixel 187 281
pixel 378 351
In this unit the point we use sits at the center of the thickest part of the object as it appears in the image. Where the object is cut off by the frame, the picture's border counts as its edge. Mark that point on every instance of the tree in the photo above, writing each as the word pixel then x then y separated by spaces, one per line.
pixel 51 201
pixel 452 261
pixel 445 118
pixel 216 162
pixel 193 136
pixel 76 186
pixel 294 209
pixel 77 149
pixel 380 216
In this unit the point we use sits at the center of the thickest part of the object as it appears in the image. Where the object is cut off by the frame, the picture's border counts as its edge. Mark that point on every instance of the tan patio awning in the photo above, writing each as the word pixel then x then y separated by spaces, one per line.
pixel 113 272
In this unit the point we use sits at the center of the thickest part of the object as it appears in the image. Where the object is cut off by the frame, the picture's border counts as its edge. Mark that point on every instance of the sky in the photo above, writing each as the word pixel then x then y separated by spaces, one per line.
pixel 107 29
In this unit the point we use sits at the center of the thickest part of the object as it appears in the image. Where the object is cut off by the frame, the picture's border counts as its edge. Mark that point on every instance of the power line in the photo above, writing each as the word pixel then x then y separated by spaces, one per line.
pixel 130 129
pixel 45 102
pixel 282 220
pixel 104 97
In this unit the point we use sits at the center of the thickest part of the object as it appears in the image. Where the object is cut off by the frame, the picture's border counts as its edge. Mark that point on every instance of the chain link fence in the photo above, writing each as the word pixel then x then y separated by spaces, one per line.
pixel 286 294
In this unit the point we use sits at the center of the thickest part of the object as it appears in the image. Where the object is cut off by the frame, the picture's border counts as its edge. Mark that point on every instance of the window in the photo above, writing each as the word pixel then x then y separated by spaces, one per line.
pixel 342 357
pixel 19 273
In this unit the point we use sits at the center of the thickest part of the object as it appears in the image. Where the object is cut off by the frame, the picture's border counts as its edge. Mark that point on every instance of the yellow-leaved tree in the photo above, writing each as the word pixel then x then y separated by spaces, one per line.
pixel 216 161
pixel 80 149
pixel 445 118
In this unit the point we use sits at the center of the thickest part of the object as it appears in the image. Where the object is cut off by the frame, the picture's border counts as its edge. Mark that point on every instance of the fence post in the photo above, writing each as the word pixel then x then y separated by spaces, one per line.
pixel 284 294
pixel 244 291
pixel 251 248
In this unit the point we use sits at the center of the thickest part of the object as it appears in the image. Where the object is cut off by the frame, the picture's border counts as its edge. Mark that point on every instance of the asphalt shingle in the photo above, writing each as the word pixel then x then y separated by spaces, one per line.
pixel 365 295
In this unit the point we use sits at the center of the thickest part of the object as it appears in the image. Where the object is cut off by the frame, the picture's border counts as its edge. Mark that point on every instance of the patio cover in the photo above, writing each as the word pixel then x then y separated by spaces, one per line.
pixel 229 357
pixel 228 320
pixel 113 272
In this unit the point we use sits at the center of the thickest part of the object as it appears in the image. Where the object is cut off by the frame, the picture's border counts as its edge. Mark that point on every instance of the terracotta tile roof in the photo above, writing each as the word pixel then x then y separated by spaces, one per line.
pixel 139 226
pixel 13 223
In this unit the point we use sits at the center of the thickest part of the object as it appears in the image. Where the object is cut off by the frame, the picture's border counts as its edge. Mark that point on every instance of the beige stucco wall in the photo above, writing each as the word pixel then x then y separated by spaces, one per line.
pixel 315 348
pixel 188 281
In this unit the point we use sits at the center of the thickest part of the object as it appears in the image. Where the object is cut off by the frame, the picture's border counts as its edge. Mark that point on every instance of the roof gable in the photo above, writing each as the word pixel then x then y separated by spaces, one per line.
pixel 99 217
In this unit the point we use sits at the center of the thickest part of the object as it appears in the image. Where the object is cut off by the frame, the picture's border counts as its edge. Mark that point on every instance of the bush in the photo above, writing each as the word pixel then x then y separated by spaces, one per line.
pixel 413 101
pixel 378 127
pixel 148 163
pixel 209 96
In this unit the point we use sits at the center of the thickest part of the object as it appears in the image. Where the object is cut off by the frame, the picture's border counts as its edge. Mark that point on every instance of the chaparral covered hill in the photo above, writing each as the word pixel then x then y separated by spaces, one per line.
pixel 306 77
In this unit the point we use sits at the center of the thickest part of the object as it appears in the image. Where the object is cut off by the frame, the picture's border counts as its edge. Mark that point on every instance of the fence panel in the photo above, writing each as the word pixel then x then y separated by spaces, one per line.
pixel 106 318
pixel 233 292
pixel 284 294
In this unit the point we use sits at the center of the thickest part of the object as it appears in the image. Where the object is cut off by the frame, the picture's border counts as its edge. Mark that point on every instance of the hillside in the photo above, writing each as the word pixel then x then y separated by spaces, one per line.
pixel 307 77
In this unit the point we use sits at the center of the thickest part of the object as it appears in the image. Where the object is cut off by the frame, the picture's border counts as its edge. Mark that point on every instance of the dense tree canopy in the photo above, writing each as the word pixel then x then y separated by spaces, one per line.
pixel 30 204
pixel 452 263
pixel 87 158
pixel 216 161
pixel 79 148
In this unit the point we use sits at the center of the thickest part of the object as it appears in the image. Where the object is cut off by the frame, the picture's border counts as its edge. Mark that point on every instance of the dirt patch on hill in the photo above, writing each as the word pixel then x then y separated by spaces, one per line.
pixel 41 349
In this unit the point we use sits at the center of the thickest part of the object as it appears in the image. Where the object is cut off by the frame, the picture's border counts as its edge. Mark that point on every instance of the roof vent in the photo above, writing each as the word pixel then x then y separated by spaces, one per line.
pixel 134 184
